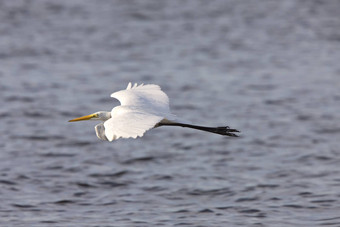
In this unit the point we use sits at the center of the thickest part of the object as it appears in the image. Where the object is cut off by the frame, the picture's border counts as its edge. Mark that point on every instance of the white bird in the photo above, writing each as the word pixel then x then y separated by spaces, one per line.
pixel 142 108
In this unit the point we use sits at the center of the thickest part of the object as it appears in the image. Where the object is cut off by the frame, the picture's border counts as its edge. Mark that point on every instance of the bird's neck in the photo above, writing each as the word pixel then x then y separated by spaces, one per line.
pixel 103 115
pixel 106 116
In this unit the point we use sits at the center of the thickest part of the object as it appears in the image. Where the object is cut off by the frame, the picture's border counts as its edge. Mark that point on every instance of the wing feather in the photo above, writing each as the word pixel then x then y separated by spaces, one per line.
pixel 142 107
pixel 129 123
pixel 148 97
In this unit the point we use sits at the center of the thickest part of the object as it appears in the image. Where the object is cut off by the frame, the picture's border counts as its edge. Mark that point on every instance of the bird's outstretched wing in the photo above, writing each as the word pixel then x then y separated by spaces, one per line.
pixel 148 97
pixel 129 123
pixel 142 107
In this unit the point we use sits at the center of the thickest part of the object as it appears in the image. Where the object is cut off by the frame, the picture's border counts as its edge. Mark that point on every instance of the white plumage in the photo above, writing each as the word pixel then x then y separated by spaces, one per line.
pixel 142 108
pixel 146 97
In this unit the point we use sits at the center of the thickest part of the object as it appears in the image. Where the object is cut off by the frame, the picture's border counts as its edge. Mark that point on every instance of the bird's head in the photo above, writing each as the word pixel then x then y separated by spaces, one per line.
pixel 97 116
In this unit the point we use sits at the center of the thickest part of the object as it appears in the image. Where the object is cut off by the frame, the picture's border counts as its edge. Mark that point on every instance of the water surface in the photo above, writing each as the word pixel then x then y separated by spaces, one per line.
pixel 270 70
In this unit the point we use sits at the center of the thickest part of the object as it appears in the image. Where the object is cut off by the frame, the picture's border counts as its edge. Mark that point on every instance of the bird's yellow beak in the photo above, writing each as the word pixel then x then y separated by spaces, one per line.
pixel 84 118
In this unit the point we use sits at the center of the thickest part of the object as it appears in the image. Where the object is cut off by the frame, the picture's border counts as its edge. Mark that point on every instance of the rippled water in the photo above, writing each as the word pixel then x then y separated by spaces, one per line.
pixel 270 69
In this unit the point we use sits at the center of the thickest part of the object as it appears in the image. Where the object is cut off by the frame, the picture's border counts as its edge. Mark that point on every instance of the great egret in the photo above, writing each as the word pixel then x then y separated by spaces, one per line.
pixel 142 108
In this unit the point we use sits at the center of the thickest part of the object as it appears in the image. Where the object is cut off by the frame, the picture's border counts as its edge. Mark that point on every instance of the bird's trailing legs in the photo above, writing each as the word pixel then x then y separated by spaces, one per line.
pixel 225 131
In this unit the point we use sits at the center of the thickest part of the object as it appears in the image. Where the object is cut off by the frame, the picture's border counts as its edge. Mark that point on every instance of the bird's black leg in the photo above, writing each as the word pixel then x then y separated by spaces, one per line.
pixel 225 131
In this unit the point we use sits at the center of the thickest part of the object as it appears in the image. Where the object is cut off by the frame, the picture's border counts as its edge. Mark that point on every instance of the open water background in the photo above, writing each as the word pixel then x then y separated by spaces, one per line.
pixel 268 68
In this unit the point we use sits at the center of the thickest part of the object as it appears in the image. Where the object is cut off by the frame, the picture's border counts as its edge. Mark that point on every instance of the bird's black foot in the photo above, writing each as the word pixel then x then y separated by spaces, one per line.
pixel 227 131
pixel 231 129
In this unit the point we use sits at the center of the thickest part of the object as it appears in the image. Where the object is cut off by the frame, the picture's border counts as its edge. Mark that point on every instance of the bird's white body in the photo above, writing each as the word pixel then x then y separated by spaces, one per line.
pixel 142 108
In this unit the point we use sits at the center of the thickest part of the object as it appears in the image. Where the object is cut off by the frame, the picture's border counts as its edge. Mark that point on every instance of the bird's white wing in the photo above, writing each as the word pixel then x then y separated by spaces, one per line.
pixel 148 97
pixel 129 123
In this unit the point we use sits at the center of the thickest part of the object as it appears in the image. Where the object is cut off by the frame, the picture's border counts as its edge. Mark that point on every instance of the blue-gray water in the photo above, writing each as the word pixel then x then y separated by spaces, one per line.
pixel 268 68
